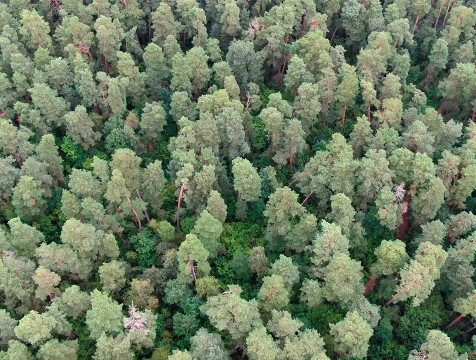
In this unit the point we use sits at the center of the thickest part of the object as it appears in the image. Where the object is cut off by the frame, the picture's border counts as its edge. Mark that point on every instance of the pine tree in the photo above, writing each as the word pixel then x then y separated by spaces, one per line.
pixel 342 270
pixel 246 180
pixel 110 35
pixel 208 230
pixel 104 317
pixel 261 345
pixel 307 105
pixel 229 312
pixel 112 276
pixel 273 293
pixel 192 257
pixel 352 336
pixel 207 346
pixel 287 270
pixel 28 198
pixel 35 328
pixel 438 346
pixel 79 127
pixel 34 30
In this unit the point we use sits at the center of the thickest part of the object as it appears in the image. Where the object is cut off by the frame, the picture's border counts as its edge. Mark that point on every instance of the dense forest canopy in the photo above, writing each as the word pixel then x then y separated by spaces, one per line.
pixel 224 179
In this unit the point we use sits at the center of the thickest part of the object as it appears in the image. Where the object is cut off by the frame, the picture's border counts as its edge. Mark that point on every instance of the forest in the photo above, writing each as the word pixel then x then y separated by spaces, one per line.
pixel 232 179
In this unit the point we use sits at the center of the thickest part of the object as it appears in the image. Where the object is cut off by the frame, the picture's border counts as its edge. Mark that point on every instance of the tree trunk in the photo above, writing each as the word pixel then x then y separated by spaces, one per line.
pixel 439 15
pixel 406 220
pixel 334 34
pixel 145 211
pixel 390 301
pixel 106 63
pixel 468 331
pixel 307 198
pixel 135 214
pixel 416 23
pixel 370 285
pixel 179 203
pixel 294 181
pixel 454 322
pixel 446 15
pixel 343 120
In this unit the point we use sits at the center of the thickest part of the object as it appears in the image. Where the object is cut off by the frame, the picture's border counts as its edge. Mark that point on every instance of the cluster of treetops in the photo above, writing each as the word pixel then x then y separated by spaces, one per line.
pixel 216 179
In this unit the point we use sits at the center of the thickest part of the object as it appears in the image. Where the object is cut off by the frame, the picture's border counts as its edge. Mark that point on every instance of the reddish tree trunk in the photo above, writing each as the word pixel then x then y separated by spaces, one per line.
pixel 179 203
pixel 395 44
pixel 106 63
pixel 135 214
pixel 248 100
pixel 343 120
pixel 307 198
pixel 446 15
pixel 440 109
pixel 145 211
pixel 468 331
pixel 294 181
pixel 474 115
pixel 416 23
pixel 334 34
pixel 390 301
pixel 57 5
pixel 439 15
pixel 370 285
pixel 454 322
pixel 406 220
pixel 291 158
pixel 368 112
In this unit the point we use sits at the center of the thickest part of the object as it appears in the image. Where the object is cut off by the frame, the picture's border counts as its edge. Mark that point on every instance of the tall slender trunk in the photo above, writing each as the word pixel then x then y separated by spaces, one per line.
pixel 334 34
pixel 416 23
pixel 294 181
pixel 439 15
pixel 307 198
pixel 468 331
pixel 447 12
pixel 343 120
pixel 370 285
pixel 106 63
pixel 179 203
pixel 390 301
pixel 135 214
pixel 145 210
pixel 454 322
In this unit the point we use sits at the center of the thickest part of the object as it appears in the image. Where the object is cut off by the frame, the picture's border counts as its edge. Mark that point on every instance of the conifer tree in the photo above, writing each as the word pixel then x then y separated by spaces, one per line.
pixel 273 293
pixel 104 317
pixel 352 336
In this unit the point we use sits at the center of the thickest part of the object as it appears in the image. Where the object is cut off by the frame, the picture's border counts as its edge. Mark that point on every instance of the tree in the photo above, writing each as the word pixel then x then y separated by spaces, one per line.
pixel 293 143
pixel 352 335
pixel 153 183
pixel 346 92
pixel 28 198
pixel 208 230
pixel 311 292
pixel 152 122
pixel 109 348
pixel 47 152
pixel 283 326
pixel 35 328
pixel 104 317
pixel 342 270
pixel 247 181
pixel 207 346
pixel 258 261
pixel 192 257
pixel 465 306
pixel 229 312
pixel 296 74
pixel 307 105
pixel 35 30
pixel 260 345
pixel 109 34
pixel 84 81
pixel 437 346
pixel 79 127
pixel 216 206
pixel 7 326
pixel 232 133
pixel 17 350
pixel 156 70
pixel 47 282
pixel 391 257
pixel 273 293
pixel 328 242
pixel 24 238
pixel 56 350
pixel 287 270
pixel 112 276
